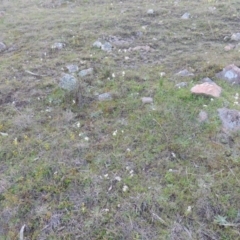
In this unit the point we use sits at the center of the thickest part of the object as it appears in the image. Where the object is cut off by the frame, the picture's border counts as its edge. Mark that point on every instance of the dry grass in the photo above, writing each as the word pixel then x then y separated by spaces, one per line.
pixel 72 167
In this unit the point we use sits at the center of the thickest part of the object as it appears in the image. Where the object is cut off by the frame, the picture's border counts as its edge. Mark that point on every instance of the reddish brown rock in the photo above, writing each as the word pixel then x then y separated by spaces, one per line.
pixel 207 89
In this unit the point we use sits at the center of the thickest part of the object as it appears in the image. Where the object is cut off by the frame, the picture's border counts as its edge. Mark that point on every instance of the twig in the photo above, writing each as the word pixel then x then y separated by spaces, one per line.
pixel 34 74
pixel 160 219
pixel 21 237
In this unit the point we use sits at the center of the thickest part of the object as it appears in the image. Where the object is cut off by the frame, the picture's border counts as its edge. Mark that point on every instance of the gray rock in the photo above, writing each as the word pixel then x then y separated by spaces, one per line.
pixel 85 72
pixel 97 44
pixel 186 15
pixel 68 82
pixel 208 80
pixel 230 119
pixel 107 47
pixel 235 37
pixel 105 97
pixel 184 73
pixel 2 47
pixel 58 46
pixel 181 85
pixel 72 68
pixel 231 74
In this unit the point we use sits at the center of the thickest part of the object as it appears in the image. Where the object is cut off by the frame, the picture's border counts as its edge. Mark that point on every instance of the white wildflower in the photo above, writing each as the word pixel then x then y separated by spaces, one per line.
pixel 173 154
pixel 204 105
pixel 113 75
pixel 189 209
pixel 128 150
pixel 170 170
pixel 118 178
pixel 73 101
pixel 211 99
pixel 106 176
pixel 125 188
pixel 115 133
pixel 80 134
pixel 78 124
pixel 162 74
pixel 86 139
pixel 123 73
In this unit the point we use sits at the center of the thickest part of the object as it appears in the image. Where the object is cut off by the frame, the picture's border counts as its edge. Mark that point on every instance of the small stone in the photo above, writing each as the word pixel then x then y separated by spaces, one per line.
pixel 72 68
pixel 2 47
pixel 105 97
pixel 150 12
pixel 97 44
pixel 208 80
pixel 207 89
pixel 58 46
pixel 202 116
pixel 85 72
pixel 231 73
pixel 181 85
pixel 229 47
pixel 68 82
pixel 107 47
pixel 147 100
pixel 230 119
pixel 186 15
pixel 235 37
pixel 184 73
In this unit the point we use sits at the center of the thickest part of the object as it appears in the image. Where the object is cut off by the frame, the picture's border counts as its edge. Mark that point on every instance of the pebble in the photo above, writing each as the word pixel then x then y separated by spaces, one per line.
pixel 97 44
pixel 85 72
pixel 105 96
pixel 235 37
pixel 150 12
pixel 58 46
pixel 72 68
pixel 68 82
pixel 181 85
pixel 147 100
pixel 186 15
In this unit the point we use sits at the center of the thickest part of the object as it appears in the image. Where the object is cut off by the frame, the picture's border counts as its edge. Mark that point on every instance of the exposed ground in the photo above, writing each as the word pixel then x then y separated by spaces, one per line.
pixel 72 167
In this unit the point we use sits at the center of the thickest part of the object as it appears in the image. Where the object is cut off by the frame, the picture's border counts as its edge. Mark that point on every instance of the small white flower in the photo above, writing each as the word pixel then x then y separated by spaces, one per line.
pixel 80 134
pixel 125 188
pixel 122 131
pixel 128 150
pixel 119 205
pixel 106 176
pixel 78 124
pixel 162 74
pixel 189 209
pixel 126 58
pixel 204 105
pixel 115 133
pixel 86 139
pixel 173 154
pixel 170 170
pixel 113 75
pixel 236 96
pixel 211 99
pixel 123 73
pixel 39 98
pixel 118 178
pixel 73 101
pixel 131 172
pixel 127 168
pixel 105 210
pixel 235 103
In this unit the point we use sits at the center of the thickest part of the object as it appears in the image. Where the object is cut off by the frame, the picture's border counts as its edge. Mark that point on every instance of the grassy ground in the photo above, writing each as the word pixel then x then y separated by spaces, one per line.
pixel 75 168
